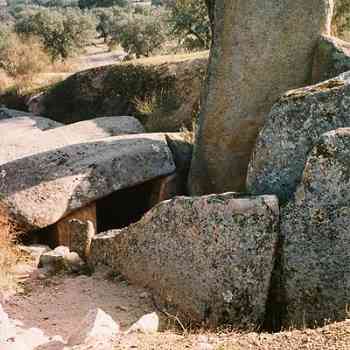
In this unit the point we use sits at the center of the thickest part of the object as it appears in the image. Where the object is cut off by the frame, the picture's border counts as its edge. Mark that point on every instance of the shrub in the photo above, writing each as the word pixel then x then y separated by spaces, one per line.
pixel 102 3
pixel 23 57
pixel 63 32
pixel 189 22
pixel 106 19
pixel 139 34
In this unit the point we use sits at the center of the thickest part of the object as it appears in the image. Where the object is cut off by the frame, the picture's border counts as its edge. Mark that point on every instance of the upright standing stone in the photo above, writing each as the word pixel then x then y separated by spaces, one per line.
pixel 316 239
pixel 261 49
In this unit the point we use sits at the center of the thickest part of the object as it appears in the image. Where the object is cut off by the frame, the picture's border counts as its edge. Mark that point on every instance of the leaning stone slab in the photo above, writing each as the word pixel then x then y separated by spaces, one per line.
pixel 294 125
pixel 315 229
pixel 260 50
pixel 332 58
pixel 208 257
pixel 54 177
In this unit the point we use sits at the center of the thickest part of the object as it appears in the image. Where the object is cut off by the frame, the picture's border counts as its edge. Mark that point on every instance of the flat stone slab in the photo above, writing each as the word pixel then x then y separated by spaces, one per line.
pixel 23 136
pixel 210 258
pixel 292 128
pixel 54 176
pixel 316 237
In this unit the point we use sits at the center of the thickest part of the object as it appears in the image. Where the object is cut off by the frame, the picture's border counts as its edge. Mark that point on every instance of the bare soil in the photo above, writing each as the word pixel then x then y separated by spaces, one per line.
pixel 56 305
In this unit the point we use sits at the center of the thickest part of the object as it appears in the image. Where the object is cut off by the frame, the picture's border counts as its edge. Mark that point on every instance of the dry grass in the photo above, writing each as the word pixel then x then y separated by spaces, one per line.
pixel 9 256
pixel 332 337
pixel 6 82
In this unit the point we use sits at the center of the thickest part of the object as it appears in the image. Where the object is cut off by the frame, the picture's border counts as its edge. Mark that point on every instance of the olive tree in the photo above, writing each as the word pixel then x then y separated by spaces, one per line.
pixel 189 22
pixel 62 32
pixel 139 34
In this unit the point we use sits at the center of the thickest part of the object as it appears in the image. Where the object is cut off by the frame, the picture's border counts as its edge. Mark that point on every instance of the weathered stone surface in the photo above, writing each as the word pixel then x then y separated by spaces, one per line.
pixel 315 229
pixel 22 136
pixel 103 127
pixel 164 188
pixel 53 178
pixel 113 90
pixel 292 128
pixel 19 127
pixel 209 257
pixel 181 146
pixel 6 113
pixel 63 231
pixel 81 234
pixel 260 50
pixel 147 324
pixel 97 325
pixel 61 259
pixel 53 261
pixel 332 58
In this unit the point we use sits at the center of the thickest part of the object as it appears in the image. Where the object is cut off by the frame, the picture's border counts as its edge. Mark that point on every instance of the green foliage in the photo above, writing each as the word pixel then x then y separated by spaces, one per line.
pixel 106 20
pixel 4 35
pixel 189 22
pixel 63 32
pixel 139 34
pixel 102 3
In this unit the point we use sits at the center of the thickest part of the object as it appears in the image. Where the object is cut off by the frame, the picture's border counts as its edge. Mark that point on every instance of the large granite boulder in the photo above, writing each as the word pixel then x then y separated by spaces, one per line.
pixel 54 176
pixel 22 136
pixel 24 120
pixel 6 113
pixel 315 230
pixel 292 128
pixel 208 257
pixel 260 50
pixel 103 127
pixel 332 57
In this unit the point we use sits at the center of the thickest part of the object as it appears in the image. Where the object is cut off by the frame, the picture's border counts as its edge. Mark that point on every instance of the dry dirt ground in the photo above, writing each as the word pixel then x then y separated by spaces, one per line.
pixel 56 305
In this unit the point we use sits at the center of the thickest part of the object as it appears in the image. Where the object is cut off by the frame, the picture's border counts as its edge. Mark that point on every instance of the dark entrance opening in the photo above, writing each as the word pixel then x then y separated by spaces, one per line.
pixel 124 207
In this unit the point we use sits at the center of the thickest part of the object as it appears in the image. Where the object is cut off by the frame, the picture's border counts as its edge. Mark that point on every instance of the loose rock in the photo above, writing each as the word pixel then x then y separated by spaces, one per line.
pixel 147 324
pixel 97 326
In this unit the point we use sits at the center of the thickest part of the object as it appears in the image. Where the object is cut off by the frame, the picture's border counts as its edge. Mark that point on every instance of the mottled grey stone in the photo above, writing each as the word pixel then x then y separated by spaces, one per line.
pixel 103 127
pixel 260 50
pixel 294 125
pixel 332 57
pixel 315 229
pixel 46 181
pixel 81 234
pixel 12 119
pixel 23 136
pixel 181 147
pixel 210 258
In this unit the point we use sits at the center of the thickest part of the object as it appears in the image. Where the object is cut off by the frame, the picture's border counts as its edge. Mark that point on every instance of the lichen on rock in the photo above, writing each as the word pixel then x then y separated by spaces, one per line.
pixel 293 126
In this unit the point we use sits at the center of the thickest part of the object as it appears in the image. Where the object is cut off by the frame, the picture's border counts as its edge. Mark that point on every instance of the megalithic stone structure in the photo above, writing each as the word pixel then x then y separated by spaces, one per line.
pixel 260 50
